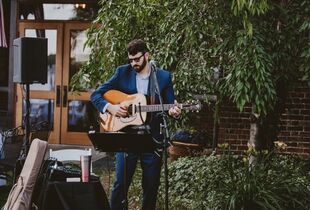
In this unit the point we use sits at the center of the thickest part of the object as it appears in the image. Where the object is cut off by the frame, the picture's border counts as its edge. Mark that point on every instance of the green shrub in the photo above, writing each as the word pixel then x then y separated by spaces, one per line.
pixel 228 182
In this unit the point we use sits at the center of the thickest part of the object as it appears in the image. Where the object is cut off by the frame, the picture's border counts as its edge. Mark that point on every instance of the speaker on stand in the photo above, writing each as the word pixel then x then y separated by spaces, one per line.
pixel 30 66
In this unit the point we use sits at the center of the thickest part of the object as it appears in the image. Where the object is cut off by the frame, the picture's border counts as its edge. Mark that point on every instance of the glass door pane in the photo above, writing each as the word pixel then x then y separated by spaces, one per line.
pixel 40 110
pixel 78 119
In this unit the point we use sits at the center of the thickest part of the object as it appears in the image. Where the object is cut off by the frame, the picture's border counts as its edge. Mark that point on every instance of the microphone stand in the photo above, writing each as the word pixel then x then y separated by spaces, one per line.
pixel 165 131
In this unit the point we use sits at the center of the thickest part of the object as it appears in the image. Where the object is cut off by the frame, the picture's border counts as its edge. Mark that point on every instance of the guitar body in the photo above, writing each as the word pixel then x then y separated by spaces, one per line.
pixel 112 123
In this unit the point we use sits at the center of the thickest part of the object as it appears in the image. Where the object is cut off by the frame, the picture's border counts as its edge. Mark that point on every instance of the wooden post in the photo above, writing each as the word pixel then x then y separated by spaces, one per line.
pixel 11 86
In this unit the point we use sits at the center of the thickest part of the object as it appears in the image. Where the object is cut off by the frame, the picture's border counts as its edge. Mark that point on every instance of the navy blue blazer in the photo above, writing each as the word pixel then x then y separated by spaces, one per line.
pixel 124 80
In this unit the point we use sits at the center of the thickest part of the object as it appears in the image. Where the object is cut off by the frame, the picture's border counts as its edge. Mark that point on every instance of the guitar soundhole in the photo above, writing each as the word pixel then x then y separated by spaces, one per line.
pixel 129 110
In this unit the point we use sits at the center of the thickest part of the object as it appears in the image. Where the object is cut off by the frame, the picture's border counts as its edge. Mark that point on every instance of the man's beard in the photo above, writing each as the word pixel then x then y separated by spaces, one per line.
pixel 139 68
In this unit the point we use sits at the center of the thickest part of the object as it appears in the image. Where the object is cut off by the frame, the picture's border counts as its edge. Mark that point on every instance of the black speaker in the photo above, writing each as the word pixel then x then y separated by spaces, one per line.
pixel 30 60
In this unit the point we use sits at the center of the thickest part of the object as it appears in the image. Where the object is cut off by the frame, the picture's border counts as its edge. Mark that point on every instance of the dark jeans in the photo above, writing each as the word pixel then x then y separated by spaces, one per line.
pixel 150 164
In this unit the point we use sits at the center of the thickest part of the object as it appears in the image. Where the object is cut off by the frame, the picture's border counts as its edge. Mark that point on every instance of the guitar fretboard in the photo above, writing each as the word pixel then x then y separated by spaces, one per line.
pixel 157 107
pixel 153 108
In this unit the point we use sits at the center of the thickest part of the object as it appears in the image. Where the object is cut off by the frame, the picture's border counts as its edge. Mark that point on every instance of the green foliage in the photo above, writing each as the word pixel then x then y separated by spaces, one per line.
pixel 254 44
pixel 305 31
pixel 256 87
pixel 225 182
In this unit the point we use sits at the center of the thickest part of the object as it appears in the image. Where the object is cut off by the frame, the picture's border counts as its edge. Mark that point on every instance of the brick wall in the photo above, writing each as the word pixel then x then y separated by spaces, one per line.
pixel 295 122
pixel 234 127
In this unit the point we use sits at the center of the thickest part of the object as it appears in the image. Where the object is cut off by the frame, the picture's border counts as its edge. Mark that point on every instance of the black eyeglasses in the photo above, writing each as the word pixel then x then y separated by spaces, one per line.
pixel 135 59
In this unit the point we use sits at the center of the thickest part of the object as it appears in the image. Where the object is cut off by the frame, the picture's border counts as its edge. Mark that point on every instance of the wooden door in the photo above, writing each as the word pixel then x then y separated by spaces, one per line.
pixel 76 106
pixel 53 102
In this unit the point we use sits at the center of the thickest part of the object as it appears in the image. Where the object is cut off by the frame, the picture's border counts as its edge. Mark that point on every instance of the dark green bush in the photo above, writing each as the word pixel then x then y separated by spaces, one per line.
pixel 228 182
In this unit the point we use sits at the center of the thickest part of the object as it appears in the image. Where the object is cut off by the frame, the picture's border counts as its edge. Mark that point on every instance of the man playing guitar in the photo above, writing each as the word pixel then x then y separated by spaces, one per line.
pixel 130 79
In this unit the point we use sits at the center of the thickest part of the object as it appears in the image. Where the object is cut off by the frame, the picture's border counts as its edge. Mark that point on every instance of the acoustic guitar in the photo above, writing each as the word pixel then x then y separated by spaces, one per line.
pixel 137 110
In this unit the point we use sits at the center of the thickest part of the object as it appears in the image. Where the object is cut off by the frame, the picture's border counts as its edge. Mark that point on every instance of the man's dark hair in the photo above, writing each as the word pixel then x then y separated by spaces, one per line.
pixel 135 46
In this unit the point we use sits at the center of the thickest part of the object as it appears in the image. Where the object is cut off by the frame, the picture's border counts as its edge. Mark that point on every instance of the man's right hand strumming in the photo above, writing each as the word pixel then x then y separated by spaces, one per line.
pixel 117 110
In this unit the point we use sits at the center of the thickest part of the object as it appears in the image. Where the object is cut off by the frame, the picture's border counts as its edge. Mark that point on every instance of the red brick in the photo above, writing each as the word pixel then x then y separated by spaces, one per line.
pixel 285 133
pixel 233 147
pixel 295 133
pixel 232 136
pixel 295 122
pixel 234 142
pixel 243 136
pixel 297 100
pixel 305 100
pixel 283 128
pixel 305 112
pixel 304 144
pixel 293 112
pixel 295 128
pixel 296 94
pixel 242 147
pixel 295 149
pixel 284 117
pixel 305 134
pixel 306 151
pixel 304 89
pixel 306 118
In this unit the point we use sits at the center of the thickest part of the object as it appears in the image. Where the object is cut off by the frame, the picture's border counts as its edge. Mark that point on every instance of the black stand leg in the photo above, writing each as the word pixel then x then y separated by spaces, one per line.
pixel 125 201
pixel 166 141
pixel 165 157
pixel 26 141
pixel 27 121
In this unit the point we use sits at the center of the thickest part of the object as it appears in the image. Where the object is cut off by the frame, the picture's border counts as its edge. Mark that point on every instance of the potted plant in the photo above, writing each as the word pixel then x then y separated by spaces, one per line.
pixel 189 142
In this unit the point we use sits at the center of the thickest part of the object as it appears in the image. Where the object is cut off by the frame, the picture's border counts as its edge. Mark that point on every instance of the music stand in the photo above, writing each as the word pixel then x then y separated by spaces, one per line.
pixel 122 142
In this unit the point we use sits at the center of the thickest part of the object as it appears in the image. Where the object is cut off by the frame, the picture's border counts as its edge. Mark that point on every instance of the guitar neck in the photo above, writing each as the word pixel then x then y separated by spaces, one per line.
pixel 158 107
pixel 153 107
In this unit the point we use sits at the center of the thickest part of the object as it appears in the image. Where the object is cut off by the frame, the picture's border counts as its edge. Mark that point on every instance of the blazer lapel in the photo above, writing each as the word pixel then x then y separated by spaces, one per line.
pixel 132 81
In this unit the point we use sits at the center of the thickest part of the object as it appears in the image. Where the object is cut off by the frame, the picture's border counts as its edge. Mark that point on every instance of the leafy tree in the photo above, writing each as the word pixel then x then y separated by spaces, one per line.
pixel 261 48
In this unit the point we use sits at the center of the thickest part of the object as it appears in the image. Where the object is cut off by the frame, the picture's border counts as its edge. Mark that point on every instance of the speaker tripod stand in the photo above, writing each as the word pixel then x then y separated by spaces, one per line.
pixel 30 66
pixel 26 140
